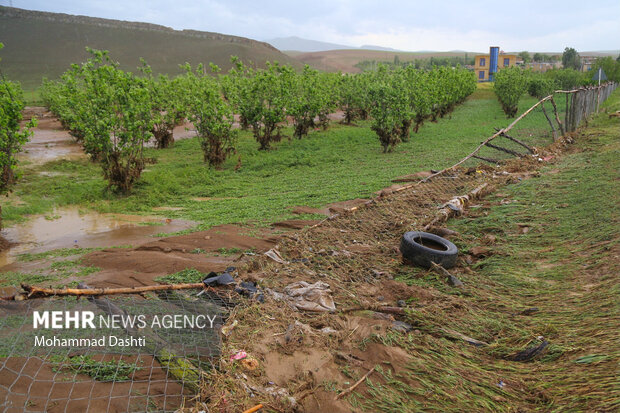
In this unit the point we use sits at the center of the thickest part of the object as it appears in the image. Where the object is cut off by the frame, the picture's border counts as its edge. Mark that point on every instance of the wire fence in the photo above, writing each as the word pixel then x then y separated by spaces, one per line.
pixel 160 361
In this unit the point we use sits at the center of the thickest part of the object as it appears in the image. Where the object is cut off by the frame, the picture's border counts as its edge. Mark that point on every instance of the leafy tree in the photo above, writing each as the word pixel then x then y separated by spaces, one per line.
pixel 610 66
pixel 166 105
pixel 67 100
pixel 353 96
pixel 571 59
pixel 210 113
pixel 510 85
pixel 329 82
pixel 12 136
pixel 566 79
pixel 261 98
pixel 390 107
pixel 540 57
pixel 540 86
pixel 525 55
pixel 309 98
pixel 112 113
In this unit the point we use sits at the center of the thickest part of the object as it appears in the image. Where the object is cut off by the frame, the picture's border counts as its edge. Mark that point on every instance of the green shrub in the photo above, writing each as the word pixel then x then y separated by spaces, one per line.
pixel 510 85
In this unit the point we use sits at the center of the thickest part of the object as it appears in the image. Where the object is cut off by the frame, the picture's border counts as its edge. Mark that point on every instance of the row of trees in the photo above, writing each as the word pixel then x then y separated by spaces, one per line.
pixel 12 135
pixel 418 63
pixel 402 98
pixel 513 82
pixel 113 113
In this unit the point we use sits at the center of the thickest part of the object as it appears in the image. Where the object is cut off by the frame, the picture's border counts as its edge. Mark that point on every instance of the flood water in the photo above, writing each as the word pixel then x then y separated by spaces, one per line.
pixel 49 141
pixel 72 228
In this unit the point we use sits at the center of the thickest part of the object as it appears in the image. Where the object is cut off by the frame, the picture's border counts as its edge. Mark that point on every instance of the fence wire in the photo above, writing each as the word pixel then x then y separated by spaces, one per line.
pixel 353 246
pixel 143 354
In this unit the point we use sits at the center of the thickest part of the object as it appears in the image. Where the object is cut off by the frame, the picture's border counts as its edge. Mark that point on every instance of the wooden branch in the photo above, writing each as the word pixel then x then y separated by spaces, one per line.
pixel 489 160
pixel 34 291
pixel 357 383
pixel 456 335
pixel 506 129
pixel 553 131
pixel 457 204
pixel 557 117
pixel 517 141
pixel 254 409
pixel 501 148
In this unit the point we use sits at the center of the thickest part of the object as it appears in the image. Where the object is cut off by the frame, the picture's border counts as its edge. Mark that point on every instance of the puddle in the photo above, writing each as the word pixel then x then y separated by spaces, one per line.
pixel 49 141
pixel 68 227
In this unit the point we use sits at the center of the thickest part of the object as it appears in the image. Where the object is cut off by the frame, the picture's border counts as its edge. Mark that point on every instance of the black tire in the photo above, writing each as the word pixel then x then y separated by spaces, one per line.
pixel 413 250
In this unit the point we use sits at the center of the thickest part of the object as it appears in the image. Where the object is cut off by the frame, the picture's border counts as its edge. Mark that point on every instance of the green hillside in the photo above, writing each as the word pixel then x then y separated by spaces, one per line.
pixel 39 44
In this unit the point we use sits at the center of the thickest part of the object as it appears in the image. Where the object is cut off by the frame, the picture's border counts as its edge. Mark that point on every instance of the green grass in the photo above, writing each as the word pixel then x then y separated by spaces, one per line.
pixel 114 370
pixel 566 265
pixel 15 278
pixel 342 163
pixel 188 275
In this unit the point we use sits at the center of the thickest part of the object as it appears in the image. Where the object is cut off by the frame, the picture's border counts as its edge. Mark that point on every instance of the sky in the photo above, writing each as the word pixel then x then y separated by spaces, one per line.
pixel 439 25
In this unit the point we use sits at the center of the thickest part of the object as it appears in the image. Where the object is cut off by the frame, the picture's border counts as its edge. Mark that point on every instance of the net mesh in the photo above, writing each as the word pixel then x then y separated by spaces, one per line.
pixel 358 245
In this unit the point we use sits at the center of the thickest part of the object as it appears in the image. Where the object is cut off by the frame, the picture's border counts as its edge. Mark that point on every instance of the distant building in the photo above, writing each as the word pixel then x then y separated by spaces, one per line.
pixel 542 66
pixel 486 65
pixel 587 62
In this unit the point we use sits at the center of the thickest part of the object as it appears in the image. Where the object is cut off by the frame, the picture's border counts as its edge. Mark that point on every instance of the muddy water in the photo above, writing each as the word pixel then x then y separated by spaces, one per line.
pixel 50 142
pixel 69 227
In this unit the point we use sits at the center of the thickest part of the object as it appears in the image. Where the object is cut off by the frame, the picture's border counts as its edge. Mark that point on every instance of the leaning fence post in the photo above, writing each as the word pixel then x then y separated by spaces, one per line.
pixel 553 131
pixel 557 116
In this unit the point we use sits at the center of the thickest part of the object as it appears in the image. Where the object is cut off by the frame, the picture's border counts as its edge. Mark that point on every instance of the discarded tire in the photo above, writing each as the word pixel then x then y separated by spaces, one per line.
pixel 422 249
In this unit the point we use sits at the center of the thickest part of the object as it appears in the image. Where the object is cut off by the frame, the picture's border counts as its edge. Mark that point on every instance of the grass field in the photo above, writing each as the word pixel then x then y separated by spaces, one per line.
pixel 345 60
pixel 547 276
pixel 342 163
pixel 566 266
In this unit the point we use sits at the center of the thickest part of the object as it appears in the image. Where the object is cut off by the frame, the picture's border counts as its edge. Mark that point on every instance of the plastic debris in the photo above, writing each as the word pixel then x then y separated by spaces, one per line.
pixel 530 352
pixel 249 289
pixel 226 330
pixel 328 330
pixel 309 297
pixel 274 254
pixel 224 278
pixel 401 326
pixel 239 355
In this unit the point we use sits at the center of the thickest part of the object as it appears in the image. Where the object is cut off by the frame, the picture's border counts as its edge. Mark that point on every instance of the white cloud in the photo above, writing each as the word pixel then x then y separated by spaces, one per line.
pixel 408 25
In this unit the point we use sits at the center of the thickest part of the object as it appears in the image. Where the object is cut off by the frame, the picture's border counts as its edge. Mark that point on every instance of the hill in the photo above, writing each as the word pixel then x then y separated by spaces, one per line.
pixel 345 60
pixel 39 44
pixel 298 44
pixel 294 45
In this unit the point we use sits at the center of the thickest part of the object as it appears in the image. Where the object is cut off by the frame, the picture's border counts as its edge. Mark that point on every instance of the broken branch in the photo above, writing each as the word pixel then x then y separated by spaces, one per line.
pixel 34 291
pixel 501 148
pixel 357 383
pixel 489 160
